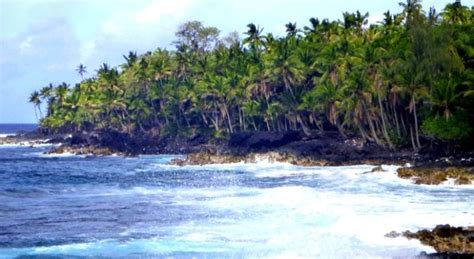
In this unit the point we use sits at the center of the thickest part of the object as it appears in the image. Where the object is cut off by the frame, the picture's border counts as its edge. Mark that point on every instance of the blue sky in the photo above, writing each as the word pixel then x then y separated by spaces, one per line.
pixel 43 41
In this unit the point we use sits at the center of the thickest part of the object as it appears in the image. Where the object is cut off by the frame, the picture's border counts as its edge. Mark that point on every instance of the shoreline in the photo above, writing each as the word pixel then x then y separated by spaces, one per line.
pixel 318 149
pixel 448 241
pixel 419 168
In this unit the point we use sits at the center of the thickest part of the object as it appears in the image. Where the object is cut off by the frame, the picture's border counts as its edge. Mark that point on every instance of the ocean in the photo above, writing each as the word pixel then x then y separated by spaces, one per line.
pixel 65 206
pixel 12 128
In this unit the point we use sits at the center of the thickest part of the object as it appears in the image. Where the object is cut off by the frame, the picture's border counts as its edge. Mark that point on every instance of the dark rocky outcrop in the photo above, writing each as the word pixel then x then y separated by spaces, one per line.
pixel 202 158
pixel 378 169
pixel 319 148
pixel 84 150
pixel 446 255
pixel 313 148
pixel 326 146
pixel 131 144
pixel 437 175
pixel 262 141
pixel 447 240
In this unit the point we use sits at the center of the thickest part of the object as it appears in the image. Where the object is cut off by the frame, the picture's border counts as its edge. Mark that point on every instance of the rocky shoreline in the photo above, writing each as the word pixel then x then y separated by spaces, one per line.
pixel 319 149
pixel 448 241
pixel 436 175
pixel 293 147
pixel 23 140
pixel 446 238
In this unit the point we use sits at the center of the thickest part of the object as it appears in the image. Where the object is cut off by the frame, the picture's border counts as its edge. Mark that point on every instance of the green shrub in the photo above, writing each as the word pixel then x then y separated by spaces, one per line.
pixel 456 127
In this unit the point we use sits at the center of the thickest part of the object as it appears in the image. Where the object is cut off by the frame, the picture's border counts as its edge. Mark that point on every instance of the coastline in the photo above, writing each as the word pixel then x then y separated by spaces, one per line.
pixel 292 147
pixel 322 149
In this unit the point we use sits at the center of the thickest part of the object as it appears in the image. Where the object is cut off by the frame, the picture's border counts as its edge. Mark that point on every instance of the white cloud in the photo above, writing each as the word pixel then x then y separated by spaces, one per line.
pixel 43 53
pixel 25 45
pixel 145 28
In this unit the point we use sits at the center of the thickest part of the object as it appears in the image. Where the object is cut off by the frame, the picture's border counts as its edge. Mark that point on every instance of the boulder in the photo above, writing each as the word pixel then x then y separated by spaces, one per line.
pixel 437 175
pixel 446 239
pixel 378 169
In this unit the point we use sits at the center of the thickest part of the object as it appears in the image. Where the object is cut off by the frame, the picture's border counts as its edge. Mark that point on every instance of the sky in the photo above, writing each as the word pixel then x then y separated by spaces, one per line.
pixel 43 41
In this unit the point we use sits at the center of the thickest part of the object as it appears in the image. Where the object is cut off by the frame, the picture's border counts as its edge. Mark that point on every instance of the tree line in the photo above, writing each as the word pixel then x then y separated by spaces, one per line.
pixel 403 81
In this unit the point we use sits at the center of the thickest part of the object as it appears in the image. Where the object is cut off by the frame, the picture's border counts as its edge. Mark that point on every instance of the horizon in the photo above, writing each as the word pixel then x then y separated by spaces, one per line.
pixel 21 123
pixel 44 41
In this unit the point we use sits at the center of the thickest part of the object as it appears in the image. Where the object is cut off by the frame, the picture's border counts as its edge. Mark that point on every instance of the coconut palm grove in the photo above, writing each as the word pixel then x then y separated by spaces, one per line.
pixel 402 82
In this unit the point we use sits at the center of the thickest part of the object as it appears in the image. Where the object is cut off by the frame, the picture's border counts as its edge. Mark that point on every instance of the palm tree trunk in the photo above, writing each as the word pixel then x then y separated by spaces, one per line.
pixel 288 87
pixel 203 117
pixel 374 134
pixel 395 115
pixel 384 125
pixel 417 136
pixel 413 140
pixel 36 113
pixel 364 135
pixel 229 121
pixel 240 118
pixel 303 124
pixel 404 125
pixel 268 125
pixel 316 122
pixel 244 120
pixel 341 130
pixel 371 125
pixel 40 113
pixel 215 121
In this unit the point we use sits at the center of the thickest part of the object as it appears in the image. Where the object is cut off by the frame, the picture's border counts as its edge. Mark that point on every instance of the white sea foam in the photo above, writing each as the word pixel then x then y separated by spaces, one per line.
pixel 35 143
pixel 268 169
pixel 64 154
pixel 328 212
pixel 300 216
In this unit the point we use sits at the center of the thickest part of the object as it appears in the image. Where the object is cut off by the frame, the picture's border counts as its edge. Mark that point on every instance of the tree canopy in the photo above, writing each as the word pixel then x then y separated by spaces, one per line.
pixel 400 82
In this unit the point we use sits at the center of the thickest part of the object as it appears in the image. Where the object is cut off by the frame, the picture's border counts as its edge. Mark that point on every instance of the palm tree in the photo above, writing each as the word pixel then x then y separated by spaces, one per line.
pixel 47 93
pixel 104 69
pixel 456 13
pixel 361 20
pixel 412 11
pixel 36 101
pixel 291 29
pixel 254 39
pixel 379 82
pixel 61 92
pixel 446 97
pixel 81 70
pixel 314 25
pixel 432 16
pixel 388 19
pixel 285 66
pixel 131 59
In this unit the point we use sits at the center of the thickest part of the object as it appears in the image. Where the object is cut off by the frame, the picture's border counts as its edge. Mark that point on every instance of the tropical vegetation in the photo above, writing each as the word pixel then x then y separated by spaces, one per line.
pixel 404 81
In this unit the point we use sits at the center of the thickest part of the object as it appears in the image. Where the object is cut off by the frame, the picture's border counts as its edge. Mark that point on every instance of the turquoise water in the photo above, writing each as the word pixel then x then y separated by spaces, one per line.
pixel 78 206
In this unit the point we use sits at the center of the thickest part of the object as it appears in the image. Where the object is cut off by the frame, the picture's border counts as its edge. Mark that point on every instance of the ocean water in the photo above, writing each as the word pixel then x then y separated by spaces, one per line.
pixel 78 206
pixel 12 128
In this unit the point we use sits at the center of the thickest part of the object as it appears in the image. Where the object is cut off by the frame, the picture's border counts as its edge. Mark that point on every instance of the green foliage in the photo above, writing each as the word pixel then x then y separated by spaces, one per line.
pixel 456 127
pixel 379 83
